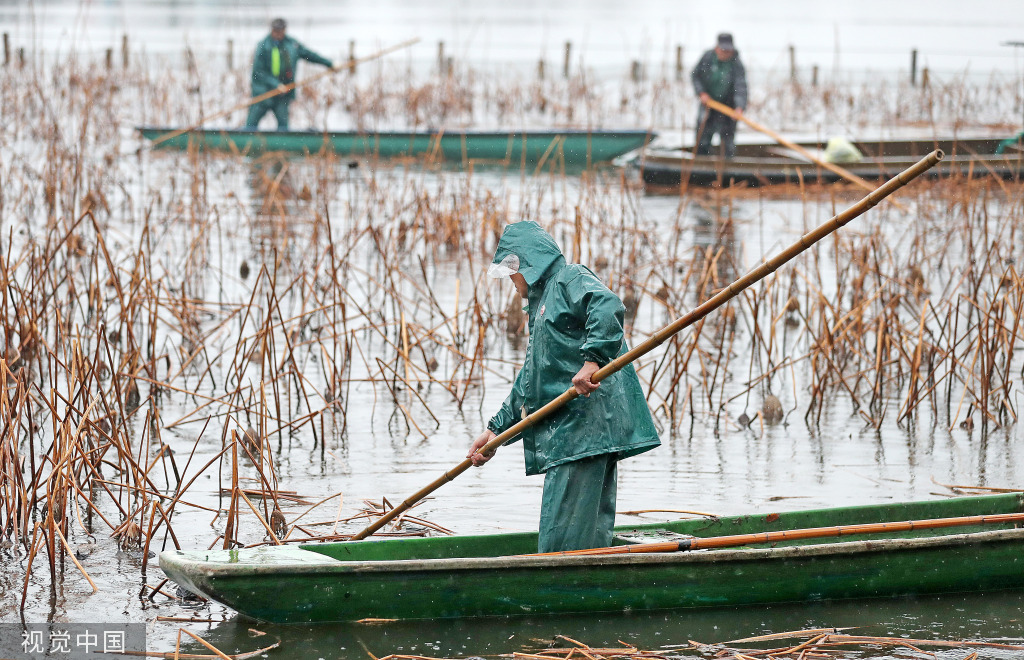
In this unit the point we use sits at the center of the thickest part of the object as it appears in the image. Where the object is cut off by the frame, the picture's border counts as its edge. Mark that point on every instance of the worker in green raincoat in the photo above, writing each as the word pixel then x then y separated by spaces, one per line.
pixel 273 67
pixel 575 326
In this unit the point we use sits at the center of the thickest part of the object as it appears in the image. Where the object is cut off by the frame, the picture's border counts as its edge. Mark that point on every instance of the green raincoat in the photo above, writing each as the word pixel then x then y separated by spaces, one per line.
pixel 573 318
pixel 270 71
pixel 274 64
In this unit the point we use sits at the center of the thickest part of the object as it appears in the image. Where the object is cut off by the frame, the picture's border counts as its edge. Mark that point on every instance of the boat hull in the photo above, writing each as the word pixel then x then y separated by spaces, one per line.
pixel 763 164
pixel 574 148
pixel 461 577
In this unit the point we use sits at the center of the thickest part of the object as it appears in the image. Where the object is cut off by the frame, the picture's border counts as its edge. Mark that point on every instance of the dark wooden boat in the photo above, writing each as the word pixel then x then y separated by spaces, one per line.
pixel 763 163
pixel 469 576
pixel 574 148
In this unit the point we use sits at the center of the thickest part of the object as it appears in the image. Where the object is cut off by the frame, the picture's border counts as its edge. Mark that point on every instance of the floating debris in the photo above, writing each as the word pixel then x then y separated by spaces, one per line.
pixel 771 408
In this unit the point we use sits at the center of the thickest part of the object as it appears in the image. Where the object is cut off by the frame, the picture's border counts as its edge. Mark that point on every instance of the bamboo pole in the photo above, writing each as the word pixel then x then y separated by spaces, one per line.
pixel 735 540
pixel 831 167
pixel 660 337
pixel 284 89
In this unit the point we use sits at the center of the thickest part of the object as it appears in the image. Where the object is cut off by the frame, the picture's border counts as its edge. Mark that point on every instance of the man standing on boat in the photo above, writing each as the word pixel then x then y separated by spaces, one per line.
pixel 273 67
pixel 719 75
pixel 575 325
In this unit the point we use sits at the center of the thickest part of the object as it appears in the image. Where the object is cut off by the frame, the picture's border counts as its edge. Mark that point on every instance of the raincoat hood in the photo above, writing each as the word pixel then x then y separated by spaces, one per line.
pixel 573 318
pixel 539 256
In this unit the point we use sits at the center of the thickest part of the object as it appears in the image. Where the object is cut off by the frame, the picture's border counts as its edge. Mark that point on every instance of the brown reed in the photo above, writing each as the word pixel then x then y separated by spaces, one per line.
pixel 143 294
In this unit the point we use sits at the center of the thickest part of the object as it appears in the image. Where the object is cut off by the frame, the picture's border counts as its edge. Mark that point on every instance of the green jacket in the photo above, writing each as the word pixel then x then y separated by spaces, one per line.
pixel 574 318
pixel 725 82
pixel 267 73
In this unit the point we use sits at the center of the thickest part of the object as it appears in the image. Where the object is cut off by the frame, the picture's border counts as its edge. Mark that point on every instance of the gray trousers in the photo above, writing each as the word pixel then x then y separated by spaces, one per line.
pixel 710 122
pixel 275 104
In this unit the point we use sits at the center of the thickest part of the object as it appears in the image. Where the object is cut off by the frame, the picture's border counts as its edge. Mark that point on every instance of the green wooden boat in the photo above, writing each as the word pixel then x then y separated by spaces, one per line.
pixel 470 576
pixel 576 148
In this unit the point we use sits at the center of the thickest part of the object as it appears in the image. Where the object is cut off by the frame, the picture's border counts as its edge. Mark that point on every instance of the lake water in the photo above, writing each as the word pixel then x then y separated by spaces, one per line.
pixel 952 38
pixel 710 463
pixel 720 468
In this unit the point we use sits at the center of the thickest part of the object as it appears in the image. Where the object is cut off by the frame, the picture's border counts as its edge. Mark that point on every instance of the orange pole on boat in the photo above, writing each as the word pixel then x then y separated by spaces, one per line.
pixel 284 89
pixel 660 337
pixel 697 543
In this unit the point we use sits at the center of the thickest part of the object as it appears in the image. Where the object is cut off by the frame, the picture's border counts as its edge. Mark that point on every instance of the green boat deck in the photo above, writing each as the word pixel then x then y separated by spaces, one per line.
pixel 466 576
pixel 573 148
pixel 452 547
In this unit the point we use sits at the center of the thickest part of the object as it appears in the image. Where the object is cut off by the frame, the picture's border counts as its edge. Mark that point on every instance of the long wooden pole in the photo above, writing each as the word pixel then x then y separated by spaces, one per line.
pixel 831 167
pixel 284 89
pixel 660 337
pixel 735 540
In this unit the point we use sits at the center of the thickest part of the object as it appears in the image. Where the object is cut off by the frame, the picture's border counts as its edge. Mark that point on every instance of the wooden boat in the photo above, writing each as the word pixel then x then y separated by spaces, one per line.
pixel 468 576
pixel 764 163
pixel 576 148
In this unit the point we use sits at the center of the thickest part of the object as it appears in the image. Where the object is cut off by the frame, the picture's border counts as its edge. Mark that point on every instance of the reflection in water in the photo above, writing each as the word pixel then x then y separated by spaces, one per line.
pixel 714 232
pixel 272 188
pixel 953 617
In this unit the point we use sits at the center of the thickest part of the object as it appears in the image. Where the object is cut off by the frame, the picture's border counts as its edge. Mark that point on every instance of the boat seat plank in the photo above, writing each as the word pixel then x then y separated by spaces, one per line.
pixel 648 536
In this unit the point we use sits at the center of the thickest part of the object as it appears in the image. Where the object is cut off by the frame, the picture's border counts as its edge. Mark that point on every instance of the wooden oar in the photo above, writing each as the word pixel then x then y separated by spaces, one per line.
pixel 284 89
pixel 735 540
pixel 831 167
pixel 660 337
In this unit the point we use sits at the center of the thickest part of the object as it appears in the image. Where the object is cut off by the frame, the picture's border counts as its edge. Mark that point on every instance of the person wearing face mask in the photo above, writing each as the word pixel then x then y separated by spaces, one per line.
pixel 273 67
pixel 576 327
